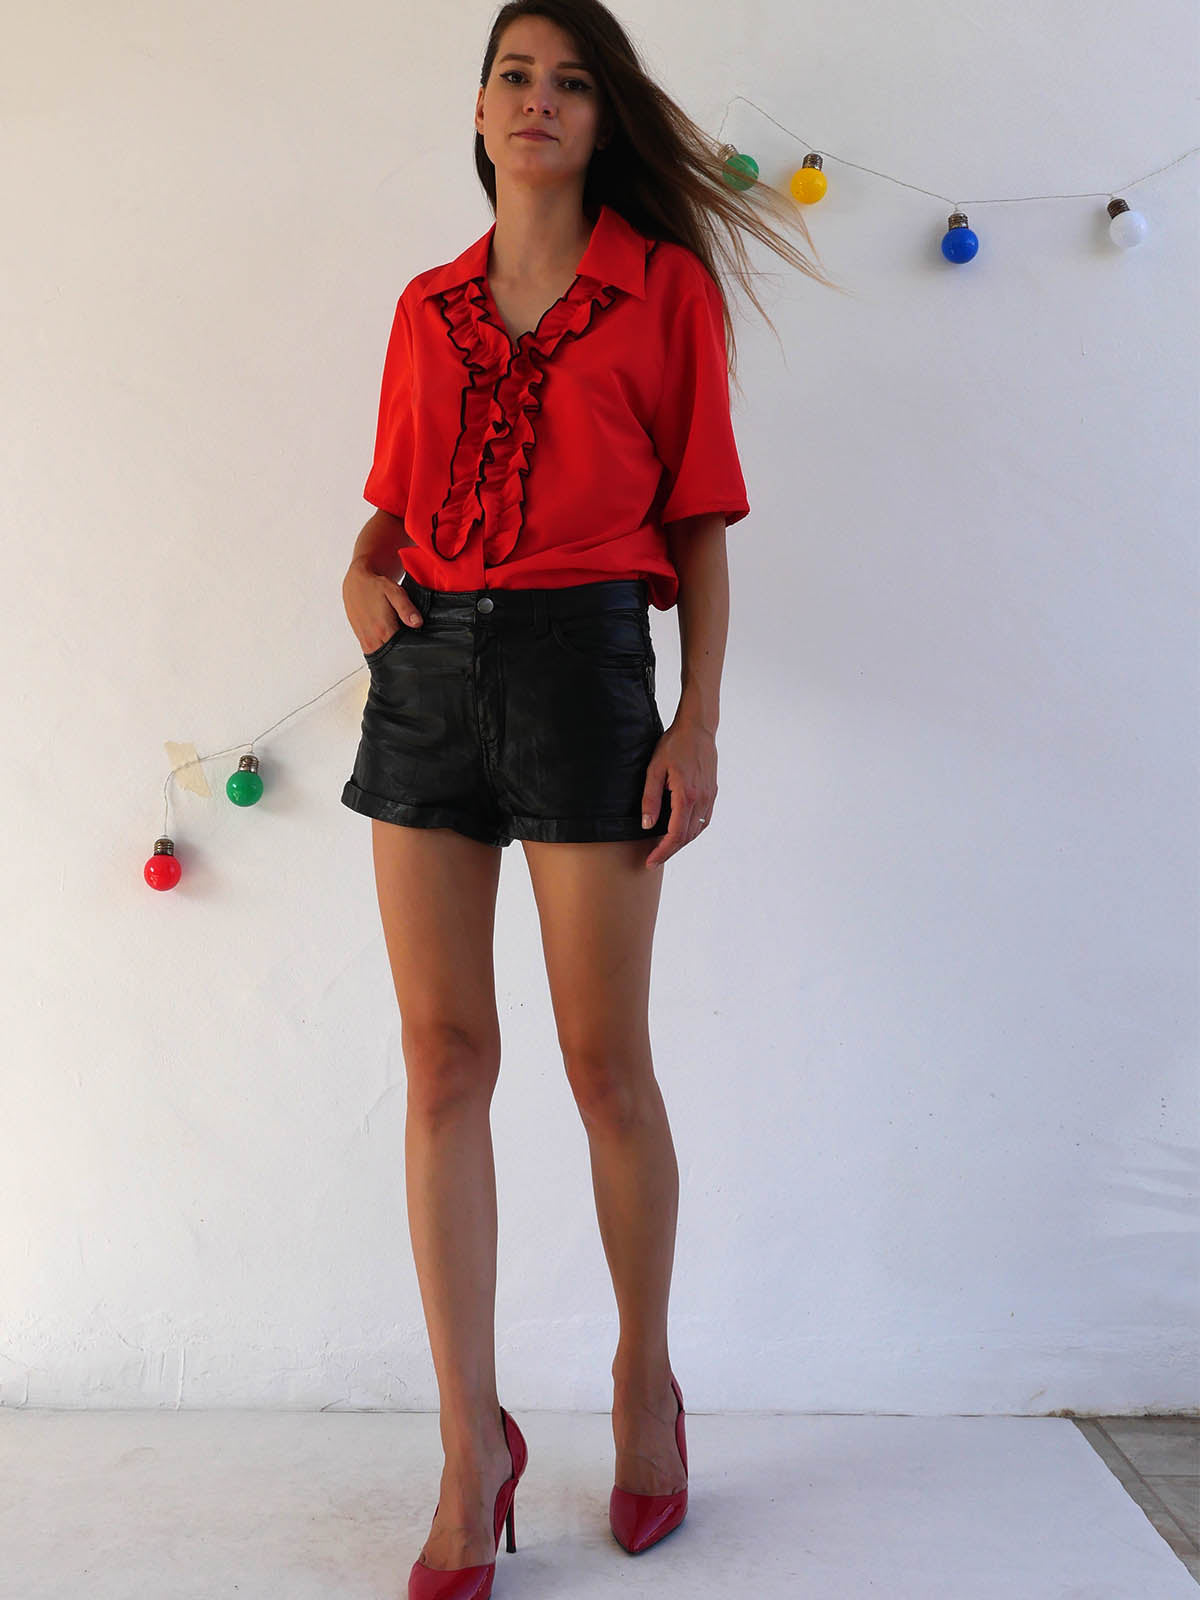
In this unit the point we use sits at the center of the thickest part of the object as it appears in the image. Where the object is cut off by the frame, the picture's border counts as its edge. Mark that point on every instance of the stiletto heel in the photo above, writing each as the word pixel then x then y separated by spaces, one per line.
pixel 475 1583
pixel 640 1520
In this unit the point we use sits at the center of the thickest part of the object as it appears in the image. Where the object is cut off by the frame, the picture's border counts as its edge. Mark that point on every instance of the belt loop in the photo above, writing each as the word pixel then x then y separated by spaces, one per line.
pixel 541 624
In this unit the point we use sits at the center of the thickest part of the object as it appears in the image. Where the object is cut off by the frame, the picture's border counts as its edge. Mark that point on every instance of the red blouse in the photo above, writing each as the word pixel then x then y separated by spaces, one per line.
pixel 557 460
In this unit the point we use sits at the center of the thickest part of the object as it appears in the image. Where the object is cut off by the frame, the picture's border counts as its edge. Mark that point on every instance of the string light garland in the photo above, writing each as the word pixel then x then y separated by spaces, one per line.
pixel 808 185
pixel 243 786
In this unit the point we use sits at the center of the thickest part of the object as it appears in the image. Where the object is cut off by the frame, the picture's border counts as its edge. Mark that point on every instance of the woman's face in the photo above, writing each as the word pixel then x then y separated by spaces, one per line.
pixel 535 84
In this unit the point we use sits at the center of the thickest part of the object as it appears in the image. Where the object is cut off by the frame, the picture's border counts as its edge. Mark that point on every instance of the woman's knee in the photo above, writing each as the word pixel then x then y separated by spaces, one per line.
pixel 449 1063
pixel 610 1086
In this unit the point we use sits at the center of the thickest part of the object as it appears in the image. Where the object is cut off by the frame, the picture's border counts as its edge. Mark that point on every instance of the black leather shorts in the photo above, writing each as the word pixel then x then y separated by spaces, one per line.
pixel 514 714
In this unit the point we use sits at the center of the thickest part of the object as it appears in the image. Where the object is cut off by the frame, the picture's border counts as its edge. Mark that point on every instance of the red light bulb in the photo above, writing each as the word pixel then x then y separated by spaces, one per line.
pixel 162 871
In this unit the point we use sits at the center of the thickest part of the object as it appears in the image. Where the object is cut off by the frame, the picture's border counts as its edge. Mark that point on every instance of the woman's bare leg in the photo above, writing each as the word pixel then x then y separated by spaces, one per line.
pixel 437 901
pixel 598 906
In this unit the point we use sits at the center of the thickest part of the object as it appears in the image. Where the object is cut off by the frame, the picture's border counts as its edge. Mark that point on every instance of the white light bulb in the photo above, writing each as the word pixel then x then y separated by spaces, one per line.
pixel 1127 227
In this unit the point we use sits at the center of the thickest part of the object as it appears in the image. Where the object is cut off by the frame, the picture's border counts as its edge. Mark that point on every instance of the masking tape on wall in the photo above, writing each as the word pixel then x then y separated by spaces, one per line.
pixel 190 777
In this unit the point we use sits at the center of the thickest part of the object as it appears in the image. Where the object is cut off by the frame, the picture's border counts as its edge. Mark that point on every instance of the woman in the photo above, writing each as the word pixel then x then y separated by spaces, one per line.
pixel 554 453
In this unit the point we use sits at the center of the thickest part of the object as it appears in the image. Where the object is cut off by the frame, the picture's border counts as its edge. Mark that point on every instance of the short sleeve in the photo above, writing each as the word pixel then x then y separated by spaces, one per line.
pixel 388 480
pixel 692 430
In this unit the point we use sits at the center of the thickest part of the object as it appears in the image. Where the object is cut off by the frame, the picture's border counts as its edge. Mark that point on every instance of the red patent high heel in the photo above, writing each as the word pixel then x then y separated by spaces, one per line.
pixel 475 1583
pixel 640 1520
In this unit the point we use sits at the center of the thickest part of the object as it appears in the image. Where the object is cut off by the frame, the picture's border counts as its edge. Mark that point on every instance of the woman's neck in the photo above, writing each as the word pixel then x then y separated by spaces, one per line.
pixel 535 245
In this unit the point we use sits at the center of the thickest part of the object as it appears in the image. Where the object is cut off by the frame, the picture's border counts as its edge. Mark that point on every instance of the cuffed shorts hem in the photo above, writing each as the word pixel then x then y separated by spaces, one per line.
pixel 413 816
pixel 583 830
pixel 549 830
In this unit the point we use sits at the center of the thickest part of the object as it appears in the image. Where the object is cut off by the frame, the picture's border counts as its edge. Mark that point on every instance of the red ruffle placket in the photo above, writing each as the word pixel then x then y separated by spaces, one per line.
pixel 500 402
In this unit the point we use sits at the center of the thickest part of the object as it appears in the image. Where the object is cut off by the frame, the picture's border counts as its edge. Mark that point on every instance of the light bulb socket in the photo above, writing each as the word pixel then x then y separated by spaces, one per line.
pixel 958 219
pixel 812 159
pixel 164 847
pixel 248 764
pixel 1115 207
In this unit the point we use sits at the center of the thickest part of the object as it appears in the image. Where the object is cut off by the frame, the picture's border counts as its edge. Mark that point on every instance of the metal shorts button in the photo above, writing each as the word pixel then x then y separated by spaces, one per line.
pixel 485 604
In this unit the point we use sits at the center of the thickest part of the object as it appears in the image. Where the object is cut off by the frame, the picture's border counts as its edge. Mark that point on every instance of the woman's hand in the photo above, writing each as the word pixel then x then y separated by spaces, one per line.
pixel 684 761
pixel 373 603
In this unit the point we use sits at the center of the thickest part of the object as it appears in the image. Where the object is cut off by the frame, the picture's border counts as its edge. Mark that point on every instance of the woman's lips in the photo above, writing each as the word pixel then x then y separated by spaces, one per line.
pixel 528 133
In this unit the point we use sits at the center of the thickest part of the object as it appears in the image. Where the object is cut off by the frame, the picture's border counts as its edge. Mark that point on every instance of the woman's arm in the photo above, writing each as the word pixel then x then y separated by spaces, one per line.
pixel 698 553
pixel 381 536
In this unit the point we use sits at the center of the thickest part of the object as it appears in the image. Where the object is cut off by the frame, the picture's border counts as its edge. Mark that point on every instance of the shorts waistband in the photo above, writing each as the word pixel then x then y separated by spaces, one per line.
pixel 612 594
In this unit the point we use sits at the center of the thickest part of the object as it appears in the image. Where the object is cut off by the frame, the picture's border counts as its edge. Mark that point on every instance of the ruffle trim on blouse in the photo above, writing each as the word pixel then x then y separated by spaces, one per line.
pixel 500 400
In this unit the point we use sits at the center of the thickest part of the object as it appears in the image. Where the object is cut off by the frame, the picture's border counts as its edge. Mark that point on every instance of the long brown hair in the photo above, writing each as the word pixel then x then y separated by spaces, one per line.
pixel 659 169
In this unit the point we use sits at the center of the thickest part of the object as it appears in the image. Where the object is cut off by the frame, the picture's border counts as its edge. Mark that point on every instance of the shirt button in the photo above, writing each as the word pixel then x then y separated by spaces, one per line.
pixel 485 604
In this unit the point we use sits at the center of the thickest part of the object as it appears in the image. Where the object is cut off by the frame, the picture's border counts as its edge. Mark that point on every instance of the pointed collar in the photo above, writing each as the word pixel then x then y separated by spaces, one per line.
pixel 615 256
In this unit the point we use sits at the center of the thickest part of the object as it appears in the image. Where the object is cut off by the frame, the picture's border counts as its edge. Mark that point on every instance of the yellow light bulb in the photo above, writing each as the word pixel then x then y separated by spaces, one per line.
pixel 808 184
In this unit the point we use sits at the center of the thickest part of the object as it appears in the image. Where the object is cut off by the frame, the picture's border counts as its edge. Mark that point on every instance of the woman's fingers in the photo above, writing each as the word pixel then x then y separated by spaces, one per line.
pixel 407 611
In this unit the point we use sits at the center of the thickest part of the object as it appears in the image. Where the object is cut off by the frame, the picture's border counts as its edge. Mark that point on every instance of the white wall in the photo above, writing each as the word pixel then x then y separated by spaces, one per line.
pixel 925 994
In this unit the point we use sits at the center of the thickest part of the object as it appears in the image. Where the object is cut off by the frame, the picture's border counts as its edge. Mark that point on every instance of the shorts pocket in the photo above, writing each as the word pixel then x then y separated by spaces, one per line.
pixel 377 655
pixel 616 640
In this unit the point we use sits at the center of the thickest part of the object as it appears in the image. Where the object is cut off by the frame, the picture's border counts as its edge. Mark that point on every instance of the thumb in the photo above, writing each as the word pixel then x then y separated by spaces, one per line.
pixel 652 796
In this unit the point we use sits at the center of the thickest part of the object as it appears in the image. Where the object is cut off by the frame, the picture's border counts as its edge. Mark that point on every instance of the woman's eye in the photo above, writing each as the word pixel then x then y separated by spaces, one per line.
pixel 515 72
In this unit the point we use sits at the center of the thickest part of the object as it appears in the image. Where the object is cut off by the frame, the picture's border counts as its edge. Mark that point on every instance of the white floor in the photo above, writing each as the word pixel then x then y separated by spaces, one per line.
pixel 204 1505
